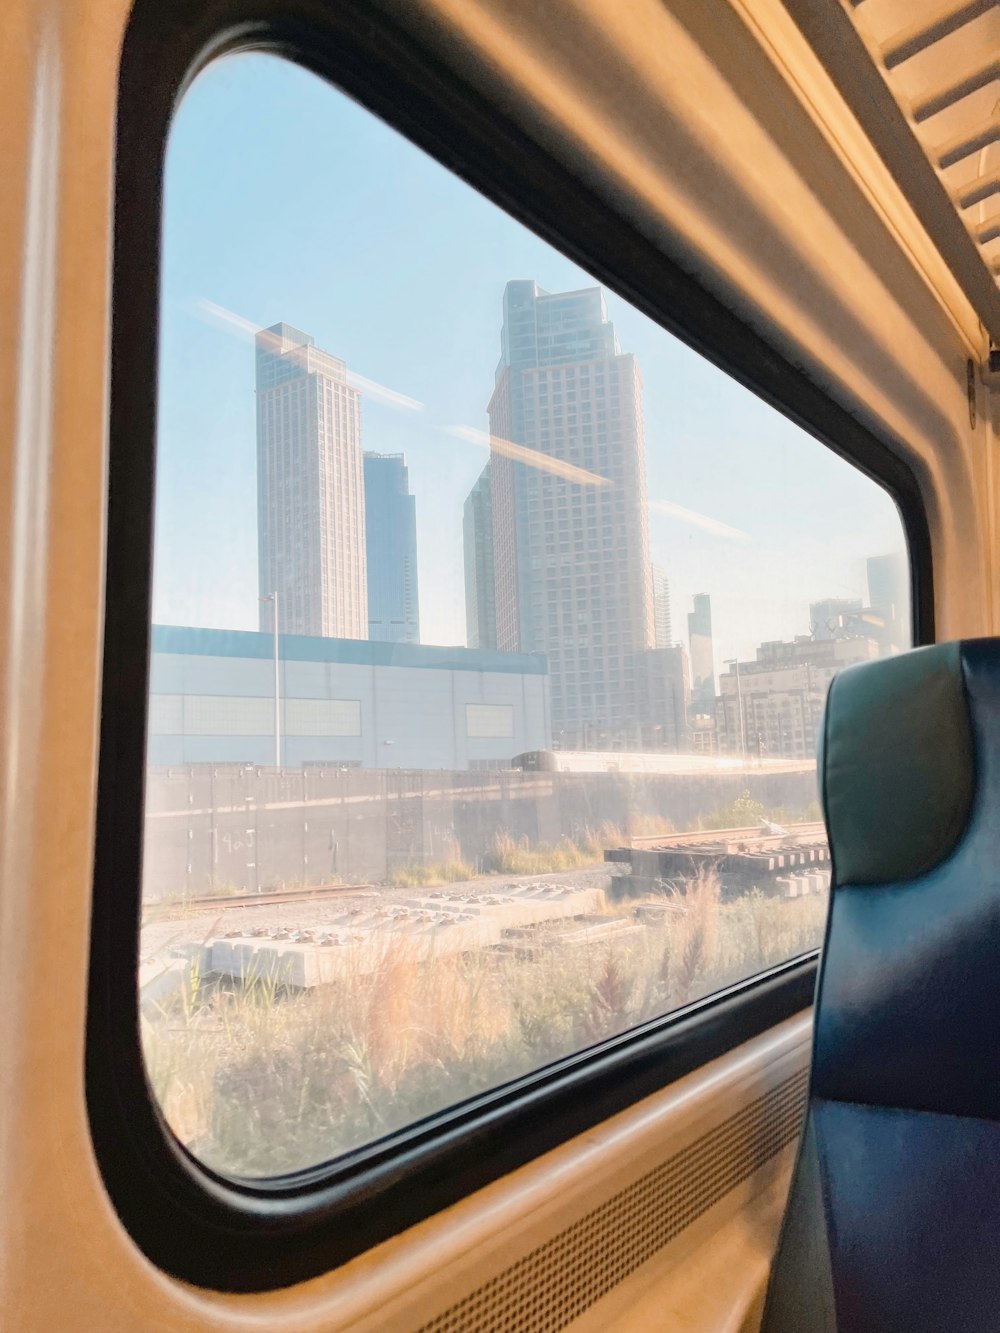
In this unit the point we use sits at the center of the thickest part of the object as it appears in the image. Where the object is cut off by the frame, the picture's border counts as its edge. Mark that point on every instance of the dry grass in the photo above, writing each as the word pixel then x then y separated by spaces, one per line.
pixel 507 855
pixel 745 812
pixel 648 826
pixel 259 1082
pixel 510 856
pixel 420 874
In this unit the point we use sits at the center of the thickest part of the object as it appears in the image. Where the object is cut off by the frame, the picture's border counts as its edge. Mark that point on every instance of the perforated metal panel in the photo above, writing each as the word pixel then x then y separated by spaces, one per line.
pixel 554 1284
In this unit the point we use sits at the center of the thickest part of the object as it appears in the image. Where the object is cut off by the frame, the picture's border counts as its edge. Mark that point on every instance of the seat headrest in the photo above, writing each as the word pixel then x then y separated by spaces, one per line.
pixel 897 764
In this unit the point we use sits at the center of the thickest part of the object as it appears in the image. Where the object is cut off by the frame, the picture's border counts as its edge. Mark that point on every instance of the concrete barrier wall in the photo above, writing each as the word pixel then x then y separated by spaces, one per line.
pixel 240 828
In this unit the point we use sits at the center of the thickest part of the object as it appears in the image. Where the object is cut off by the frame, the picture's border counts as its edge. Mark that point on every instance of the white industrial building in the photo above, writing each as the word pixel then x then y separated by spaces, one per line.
pixel 362 703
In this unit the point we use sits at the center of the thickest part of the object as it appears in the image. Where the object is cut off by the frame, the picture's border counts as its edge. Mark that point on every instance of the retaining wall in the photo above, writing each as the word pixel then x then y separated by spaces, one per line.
pixel 240 828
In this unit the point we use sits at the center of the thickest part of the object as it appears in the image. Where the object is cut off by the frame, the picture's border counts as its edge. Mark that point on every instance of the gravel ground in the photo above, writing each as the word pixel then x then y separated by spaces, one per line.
pixel 191 926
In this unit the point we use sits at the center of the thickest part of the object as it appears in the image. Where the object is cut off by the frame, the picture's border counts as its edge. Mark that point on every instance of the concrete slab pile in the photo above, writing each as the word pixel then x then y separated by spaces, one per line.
pixel 363 938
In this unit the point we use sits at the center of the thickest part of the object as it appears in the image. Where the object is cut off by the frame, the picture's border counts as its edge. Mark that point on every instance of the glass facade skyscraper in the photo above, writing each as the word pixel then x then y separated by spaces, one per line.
pixel 477 539
pixel 569 509
pixel 310 489
pixel 391 543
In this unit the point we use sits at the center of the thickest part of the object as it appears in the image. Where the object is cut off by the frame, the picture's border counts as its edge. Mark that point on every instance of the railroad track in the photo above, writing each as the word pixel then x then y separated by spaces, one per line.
pixel 751 834
pixel 224 902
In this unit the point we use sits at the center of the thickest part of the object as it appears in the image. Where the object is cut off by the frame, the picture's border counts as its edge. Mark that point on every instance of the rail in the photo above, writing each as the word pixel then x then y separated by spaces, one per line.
pixel 225 901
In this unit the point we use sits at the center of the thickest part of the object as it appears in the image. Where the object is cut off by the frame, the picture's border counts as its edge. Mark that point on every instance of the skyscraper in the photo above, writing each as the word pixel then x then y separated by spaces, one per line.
pixel 569 507
pixel 391 544
pixel 662 623
pixel 888 579
pixel 477 536
pixel 702 655
pixel 310 489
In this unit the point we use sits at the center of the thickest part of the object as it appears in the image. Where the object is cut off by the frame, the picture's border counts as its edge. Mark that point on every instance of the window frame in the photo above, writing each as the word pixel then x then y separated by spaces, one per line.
pixel 258 1235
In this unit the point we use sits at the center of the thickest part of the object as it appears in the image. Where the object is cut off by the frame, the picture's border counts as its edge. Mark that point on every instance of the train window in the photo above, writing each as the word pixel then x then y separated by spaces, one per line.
pixel 491 628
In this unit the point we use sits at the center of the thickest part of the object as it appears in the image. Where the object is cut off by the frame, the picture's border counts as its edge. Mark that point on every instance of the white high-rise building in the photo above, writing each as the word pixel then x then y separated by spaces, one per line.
pixel 310 489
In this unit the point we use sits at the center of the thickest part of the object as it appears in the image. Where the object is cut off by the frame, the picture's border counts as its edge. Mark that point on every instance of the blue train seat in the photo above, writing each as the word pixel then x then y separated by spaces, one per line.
pixel 893 1220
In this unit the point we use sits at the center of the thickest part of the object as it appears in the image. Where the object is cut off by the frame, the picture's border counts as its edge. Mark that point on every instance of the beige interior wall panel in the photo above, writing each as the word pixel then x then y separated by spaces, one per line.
pixel 687 116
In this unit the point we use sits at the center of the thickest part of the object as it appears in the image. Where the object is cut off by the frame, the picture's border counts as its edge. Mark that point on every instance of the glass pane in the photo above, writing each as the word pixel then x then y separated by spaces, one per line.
pixel 492 631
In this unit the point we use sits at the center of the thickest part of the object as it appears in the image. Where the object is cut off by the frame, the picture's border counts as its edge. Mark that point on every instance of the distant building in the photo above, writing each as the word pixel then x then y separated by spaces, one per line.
pixel 889 580
pixel 888 623
pixel 391 545
pixel 477 537
pixel 771 707
pixel 570 511
pixel 702 733
pixel 702 655
pixel 310 489
pixel 889 596
pixel 664 698
pixel 361 704
pixel 662 624
pixel 833 617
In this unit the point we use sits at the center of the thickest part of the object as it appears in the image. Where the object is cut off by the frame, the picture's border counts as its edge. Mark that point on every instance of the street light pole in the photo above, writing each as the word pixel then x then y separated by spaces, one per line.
pixel 273 599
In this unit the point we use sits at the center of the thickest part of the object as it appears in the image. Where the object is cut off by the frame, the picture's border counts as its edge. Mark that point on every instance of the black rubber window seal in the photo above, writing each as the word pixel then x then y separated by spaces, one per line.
pixel 254 1236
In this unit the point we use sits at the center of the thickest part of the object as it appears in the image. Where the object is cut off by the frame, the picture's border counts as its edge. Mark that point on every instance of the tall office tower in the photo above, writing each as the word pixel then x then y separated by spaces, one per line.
pixel 310 489
pixel 662 624
pixel 570 526
pixel 477 538
pixel 702 655
pixel 391 544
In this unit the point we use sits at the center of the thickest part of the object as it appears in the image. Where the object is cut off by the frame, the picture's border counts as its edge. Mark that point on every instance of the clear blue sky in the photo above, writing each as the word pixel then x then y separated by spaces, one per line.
pixel 286 201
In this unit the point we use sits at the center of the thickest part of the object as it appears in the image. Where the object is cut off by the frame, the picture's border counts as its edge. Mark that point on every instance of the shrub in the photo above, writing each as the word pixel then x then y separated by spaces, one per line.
pixel 744 812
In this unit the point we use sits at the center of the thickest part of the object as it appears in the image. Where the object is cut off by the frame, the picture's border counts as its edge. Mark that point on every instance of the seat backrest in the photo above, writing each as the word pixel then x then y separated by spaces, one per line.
pixel 893 1221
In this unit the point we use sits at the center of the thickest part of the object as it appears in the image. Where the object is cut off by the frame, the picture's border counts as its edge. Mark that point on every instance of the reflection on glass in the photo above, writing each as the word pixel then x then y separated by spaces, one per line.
pixel 487 668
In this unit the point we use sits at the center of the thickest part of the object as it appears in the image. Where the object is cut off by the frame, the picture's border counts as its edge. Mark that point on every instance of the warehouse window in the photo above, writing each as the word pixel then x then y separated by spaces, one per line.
pixel 434 799
pixel 323 717
pixel 226 715
pixel 489 721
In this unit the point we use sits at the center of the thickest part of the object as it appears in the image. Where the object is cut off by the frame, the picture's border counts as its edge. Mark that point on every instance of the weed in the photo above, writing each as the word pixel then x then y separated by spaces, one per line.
pixel 507 855
pixel 419 874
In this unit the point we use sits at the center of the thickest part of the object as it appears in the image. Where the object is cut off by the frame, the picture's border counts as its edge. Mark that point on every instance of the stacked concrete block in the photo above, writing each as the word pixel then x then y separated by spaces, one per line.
pixel 362 939
pixel 803 884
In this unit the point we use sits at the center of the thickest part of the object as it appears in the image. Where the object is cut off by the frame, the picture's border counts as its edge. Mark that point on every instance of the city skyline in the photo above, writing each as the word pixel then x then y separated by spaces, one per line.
pixel 733 486
pixel 548 569
pixel 294 376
